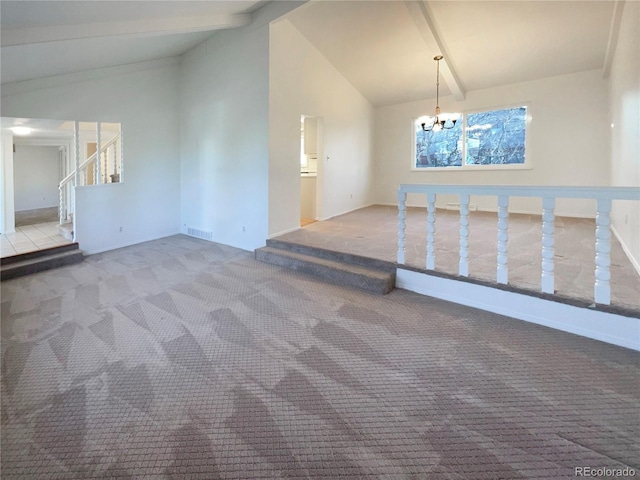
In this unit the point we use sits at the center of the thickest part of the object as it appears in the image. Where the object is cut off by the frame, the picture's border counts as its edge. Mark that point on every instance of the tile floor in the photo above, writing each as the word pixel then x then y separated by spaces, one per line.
pixel 30 238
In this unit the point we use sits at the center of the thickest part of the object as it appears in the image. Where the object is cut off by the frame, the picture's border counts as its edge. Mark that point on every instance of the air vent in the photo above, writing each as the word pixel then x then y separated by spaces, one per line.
pixel 194 232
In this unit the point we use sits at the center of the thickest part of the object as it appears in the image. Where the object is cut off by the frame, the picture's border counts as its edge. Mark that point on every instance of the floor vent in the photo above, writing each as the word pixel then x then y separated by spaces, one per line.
pixel 194 232
pixel 456 206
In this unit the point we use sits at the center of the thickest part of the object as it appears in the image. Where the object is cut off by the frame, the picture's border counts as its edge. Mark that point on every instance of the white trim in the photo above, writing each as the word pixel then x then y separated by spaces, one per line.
pixel 626 250
pixel 289 230
pixel 132 242
pixel 346 211
pixel 282 232
pixel 466 168
pixel 607 327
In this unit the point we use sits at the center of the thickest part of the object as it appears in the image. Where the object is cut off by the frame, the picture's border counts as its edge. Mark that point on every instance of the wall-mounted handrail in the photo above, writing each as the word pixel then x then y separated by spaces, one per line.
pixel 548 194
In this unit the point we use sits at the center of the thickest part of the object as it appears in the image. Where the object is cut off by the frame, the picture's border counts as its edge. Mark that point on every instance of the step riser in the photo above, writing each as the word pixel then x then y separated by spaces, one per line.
pixel 347 258
pixel 66 230
pixel 10 272
pixel 331 275
pixel 38 253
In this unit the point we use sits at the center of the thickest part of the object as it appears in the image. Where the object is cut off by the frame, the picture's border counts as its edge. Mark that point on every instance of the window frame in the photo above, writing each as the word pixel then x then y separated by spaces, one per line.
pixel 527 165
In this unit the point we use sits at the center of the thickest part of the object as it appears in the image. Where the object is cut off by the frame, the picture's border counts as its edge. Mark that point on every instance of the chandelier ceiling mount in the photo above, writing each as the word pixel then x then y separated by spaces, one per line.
pixel 441 121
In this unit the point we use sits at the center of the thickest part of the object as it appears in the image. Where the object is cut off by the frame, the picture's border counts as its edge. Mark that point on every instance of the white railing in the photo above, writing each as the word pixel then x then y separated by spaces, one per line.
pixel 602 195
pixel 107 158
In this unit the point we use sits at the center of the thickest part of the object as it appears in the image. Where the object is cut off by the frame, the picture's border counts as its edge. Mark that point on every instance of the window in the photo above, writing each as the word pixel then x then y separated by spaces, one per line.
pixel 441 148
pixel 488 139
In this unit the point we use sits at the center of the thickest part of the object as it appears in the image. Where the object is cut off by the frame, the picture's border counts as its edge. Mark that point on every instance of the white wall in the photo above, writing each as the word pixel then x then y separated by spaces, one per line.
pixel 144 97
pixel 567 133
pixel 7 210
pixel 36 173
pixel 303 82
pixel 224 158
pixel 624 98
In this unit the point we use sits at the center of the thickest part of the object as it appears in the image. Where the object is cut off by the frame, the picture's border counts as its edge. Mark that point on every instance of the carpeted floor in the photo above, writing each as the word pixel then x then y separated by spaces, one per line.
pixel 181 358
pixel 372 232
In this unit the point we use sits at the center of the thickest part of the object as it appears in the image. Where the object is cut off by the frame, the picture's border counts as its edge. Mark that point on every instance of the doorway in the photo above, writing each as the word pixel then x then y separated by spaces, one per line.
pixel 309 148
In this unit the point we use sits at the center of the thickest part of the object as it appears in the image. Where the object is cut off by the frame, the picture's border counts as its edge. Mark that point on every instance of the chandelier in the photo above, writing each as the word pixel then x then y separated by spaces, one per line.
pixel 441 120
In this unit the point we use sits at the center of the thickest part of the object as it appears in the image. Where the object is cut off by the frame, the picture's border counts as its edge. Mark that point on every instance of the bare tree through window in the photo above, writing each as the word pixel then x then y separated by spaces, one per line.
pixel 496 137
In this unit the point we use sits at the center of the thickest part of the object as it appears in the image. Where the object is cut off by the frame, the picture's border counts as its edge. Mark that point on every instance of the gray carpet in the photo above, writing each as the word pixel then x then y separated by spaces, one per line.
pixel 180 358
pixel 372 232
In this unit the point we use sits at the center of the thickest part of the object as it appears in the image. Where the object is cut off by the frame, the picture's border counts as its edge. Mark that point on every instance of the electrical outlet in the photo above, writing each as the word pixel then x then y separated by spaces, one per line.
pixel 244 229
pixel 120 228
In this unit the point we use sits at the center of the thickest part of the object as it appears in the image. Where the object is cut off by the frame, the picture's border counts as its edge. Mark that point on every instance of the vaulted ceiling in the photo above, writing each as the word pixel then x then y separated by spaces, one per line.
pixel 53 37
pixel 384 48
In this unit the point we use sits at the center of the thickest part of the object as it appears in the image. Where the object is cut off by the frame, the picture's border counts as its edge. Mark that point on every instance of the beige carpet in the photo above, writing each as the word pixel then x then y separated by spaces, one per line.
pixel 372 232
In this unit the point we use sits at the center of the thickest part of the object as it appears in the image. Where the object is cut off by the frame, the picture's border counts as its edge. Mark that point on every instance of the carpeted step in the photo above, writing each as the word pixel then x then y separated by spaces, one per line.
pixel 336 272
pixel 342 257
pixel 39 261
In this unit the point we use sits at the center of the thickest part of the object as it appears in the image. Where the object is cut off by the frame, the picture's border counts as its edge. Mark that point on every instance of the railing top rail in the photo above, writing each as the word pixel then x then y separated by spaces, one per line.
pixel 66 179
pixel 614 193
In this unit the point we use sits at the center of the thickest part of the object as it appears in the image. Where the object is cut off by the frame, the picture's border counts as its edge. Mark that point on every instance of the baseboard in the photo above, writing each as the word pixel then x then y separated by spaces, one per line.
pixel 320 219
pixel 346 211
pixel 607 327
pixel 127 243
pixel 289 230
pixel 626 250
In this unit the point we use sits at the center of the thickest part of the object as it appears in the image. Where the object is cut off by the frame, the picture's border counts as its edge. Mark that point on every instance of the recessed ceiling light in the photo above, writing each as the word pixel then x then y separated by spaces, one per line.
pixel 21 130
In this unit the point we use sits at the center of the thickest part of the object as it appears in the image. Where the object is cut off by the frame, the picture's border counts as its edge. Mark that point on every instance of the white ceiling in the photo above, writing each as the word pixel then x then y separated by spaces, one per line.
pixel 384 48
pixel 44 38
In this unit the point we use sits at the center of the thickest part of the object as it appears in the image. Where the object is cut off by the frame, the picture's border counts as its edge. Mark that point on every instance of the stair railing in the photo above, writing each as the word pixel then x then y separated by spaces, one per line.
pixel 108 155
pixel 602 195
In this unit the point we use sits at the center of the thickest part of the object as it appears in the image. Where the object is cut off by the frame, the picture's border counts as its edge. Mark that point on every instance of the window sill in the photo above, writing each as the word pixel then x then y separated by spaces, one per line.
pixel 473 168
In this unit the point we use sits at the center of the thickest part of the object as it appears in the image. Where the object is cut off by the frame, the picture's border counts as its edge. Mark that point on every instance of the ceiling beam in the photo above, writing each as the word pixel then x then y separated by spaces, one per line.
pixel 423 17
pixel 150 27
pixel 614 30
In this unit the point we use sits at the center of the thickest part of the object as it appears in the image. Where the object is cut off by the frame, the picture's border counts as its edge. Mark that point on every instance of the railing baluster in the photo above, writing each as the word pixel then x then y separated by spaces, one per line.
pixel 602 288
pixel 402 214
pixel 76 175
pixel 502 274
pixel 548 240
pixel 119 157
pixel 96 165
pixel 61 207
pixel 106 167
pixel 431 231
pixel 463 264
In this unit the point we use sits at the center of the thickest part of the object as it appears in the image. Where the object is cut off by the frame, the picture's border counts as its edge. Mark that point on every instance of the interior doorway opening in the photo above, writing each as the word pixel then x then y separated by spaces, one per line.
pixel 309 150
